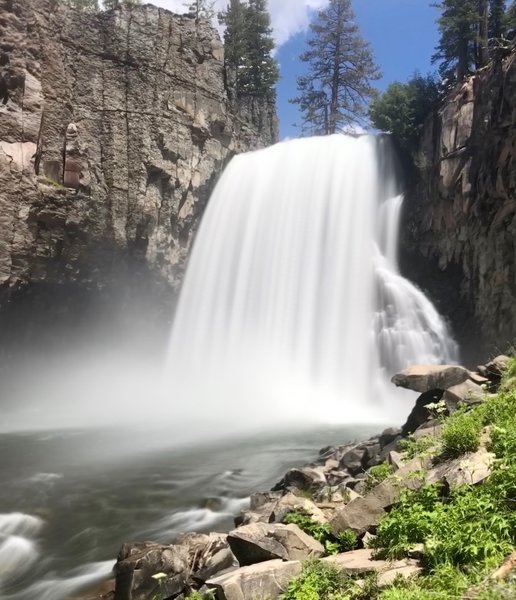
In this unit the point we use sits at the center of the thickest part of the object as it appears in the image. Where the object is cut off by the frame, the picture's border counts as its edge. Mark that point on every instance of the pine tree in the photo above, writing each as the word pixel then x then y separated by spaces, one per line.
pixel 261 74
pixel 111 4
pixel 201 9
pixel 86 5
pixel 337 86
pixel 251 69
pixel 235 44
pixel 496 18
pixel 510 18
pixel 458 43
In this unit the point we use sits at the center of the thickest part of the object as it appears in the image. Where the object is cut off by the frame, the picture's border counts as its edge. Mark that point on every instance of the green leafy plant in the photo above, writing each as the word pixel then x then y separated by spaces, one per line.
pixel 319 581
pixel 345 541
pixel 461 433
pixel 377 474
pixel 413 447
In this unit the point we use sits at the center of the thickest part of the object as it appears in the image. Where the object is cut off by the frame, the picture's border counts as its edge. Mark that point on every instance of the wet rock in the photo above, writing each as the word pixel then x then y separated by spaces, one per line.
pixel 306 479
pixel 265 580
pixel 426 378
pixel 260 542
pixel 137 564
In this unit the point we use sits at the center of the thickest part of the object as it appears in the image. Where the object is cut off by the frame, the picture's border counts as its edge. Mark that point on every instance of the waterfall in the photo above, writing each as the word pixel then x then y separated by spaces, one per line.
pixel 292 303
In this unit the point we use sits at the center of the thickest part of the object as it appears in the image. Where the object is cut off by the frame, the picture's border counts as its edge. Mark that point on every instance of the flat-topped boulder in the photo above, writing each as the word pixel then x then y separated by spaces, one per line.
pixel 264 580
pixel 358 562
pixel 467 392
pixel 259 542
pixel 425 378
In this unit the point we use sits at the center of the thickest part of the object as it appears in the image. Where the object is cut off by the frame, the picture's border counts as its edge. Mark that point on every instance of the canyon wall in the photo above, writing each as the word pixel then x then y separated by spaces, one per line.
pixel 460 222
pixel 113 129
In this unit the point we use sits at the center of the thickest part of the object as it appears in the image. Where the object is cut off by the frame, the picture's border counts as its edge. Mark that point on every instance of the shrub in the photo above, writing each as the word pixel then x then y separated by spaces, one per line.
pixel 403 108
pixel 319 581
pixel 413 447
pixel 461 433
pixel 377 474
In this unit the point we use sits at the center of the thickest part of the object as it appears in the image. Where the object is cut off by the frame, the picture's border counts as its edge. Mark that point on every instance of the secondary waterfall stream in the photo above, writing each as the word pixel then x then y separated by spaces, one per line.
pixel 292 300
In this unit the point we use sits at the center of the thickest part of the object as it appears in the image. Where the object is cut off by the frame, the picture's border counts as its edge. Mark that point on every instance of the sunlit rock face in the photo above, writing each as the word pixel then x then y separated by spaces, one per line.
pixel 462 217
pixel 113 129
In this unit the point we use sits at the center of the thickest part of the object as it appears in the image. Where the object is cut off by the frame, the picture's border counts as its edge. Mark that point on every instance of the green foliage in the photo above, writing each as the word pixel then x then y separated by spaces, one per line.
pixel 377 474
pixel 413 447
pixel 458 28
pixel 345 541
pixel 461 433
pixel 201 8
pixel 321 581
pixel 251 70
pixel 340 67
pixel 403 108
pixel 112 4
pixel 85 5
pixel 465 532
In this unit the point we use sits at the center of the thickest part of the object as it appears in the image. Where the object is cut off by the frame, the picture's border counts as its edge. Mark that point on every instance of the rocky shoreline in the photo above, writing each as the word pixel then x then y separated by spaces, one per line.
pixel 328 509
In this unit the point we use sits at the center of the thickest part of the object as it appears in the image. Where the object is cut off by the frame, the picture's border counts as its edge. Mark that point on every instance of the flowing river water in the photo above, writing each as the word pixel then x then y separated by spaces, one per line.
pixel 69 499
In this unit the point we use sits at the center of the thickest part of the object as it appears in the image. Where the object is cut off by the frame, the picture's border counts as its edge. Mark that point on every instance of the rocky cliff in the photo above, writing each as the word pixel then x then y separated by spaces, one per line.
pixel 460 223
pixel 113 129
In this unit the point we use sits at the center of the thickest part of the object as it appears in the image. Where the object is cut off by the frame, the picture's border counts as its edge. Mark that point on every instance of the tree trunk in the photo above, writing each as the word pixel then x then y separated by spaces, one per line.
pixel 334 107
pixel 483 32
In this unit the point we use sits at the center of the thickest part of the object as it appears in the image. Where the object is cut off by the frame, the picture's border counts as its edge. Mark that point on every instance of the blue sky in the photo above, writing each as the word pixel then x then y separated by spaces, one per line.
pixel 402 33
pixel 403 36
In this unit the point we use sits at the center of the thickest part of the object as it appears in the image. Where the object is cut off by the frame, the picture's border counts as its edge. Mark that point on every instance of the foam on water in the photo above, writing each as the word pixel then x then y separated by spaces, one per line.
pixel 18 546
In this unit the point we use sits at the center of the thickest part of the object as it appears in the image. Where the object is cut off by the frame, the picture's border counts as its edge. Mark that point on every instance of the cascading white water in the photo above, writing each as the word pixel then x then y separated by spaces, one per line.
pixel 292 300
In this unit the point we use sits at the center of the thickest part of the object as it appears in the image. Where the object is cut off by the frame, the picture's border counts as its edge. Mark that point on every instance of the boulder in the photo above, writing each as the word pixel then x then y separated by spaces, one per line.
pixel 260 542
pixel 208 554
pixel 290 502
pixel 420 414
pixel 354 460
pixel 467 392
pixel 495 368
pixel 388 436
pixel 138 563
pixel 425 378
pixel 363 513
pixel 306 479
pixel 395 459
pixel 265 580
pixel 470 469
pixel 359 562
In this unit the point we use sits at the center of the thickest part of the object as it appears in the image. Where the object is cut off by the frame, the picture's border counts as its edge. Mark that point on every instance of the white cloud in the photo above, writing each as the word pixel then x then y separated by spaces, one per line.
pixel 288 16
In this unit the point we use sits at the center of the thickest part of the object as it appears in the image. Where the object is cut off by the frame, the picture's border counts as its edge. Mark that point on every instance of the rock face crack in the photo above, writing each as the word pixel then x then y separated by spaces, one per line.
pixel 142 88
pixel 460 227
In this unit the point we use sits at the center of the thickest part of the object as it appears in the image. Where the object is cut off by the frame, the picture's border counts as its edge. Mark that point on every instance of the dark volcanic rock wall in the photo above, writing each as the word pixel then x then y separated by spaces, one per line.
pixel 113 129
pixel 460 241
